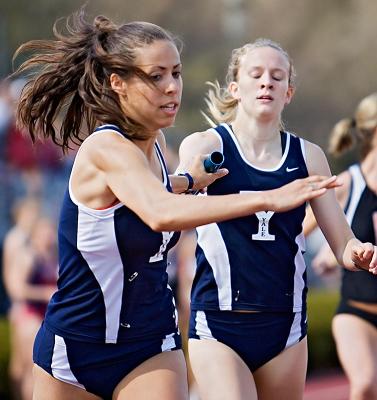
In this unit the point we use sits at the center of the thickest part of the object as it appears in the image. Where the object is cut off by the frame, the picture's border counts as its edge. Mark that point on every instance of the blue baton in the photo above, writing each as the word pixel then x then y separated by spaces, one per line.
pixel 213 162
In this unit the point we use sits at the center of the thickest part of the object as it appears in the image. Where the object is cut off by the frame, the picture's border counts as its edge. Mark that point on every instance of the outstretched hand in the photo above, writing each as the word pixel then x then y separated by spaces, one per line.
pixel 299 191
pixel 364 256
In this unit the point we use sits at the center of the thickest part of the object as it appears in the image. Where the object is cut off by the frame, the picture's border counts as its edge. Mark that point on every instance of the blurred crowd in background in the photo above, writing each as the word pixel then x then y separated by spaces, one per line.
pixel 33 179
pixel 34 172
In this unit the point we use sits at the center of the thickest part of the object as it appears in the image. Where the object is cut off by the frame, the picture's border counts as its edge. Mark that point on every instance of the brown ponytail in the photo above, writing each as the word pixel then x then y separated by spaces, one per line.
pixel 71 75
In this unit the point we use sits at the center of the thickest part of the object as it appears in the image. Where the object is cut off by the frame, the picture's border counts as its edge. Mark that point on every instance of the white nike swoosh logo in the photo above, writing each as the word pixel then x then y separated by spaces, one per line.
pixel 291 169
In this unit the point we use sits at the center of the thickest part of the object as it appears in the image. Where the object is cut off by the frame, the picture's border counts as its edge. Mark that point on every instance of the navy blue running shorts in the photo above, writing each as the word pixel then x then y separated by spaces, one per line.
pixel 256 337
pixel 95 367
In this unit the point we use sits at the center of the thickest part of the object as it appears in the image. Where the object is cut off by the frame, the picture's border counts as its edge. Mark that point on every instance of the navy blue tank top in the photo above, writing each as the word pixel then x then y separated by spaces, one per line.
pixel 113 285
pixel 254 262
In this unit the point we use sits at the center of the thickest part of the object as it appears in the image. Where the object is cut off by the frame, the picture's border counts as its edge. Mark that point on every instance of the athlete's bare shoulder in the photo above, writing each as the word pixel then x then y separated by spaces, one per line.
pixel 201 142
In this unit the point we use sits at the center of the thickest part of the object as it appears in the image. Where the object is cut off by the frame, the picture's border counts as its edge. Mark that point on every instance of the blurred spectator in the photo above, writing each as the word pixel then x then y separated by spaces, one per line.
pixel 25 213
pixel 30 274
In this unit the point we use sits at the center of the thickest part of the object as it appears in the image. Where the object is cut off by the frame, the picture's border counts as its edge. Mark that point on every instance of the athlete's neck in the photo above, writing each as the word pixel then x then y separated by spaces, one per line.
pixel 147 146
pixel 257 140
pixel 259 130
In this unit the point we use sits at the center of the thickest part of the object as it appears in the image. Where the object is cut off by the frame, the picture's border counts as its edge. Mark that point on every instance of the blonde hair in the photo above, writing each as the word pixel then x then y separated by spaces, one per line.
pixel 362 126
pixel 221 104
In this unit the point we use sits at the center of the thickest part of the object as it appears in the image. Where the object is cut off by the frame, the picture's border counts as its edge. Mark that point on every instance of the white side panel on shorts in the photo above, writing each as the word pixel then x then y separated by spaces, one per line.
pixel 60 365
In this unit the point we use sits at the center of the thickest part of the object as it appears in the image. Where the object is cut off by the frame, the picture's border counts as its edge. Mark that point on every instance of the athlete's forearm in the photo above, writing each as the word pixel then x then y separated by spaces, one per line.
pixel 188 212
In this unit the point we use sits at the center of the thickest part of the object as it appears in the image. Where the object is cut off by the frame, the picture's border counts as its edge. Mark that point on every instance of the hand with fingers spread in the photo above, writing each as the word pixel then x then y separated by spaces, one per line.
pixel 300 191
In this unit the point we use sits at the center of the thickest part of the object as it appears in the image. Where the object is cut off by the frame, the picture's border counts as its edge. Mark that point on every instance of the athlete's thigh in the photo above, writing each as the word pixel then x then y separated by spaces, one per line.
pixel 46 387
pixel 220 372
pixel 27 336
pixel 16 364
pixel 356 342
pixel 163 376
pixel 285 374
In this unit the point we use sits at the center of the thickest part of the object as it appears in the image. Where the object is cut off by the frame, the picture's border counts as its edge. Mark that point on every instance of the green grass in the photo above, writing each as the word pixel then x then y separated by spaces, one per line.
pixel 4 358
pixel 321 308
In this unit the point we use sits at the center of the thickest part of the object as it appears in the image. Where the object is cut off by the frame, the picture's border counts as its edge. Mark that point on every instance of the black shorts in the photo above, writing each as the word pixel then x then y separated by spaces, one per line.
pixel 345 308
